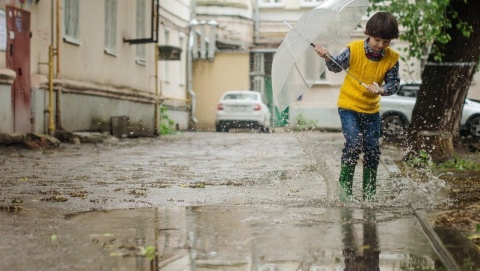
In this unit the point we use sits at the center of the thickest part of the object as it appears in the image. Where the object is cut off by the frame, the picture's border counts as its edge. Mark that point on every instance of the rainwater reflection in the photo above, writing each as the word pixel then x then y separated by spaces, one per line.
pixel 258 238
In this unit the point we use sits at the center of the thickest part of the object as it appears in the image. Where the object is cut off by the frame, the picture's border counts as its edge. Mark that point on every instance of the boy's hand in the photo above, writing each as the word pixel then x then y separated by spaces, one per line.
pixel 322 52
pixel 375 88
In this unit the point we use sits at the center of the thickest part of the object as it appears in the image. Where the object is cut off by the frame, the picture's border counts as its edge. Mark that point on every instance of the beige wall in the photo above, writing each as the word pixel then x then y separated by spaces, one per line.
pixel 87 61
pixel 229 71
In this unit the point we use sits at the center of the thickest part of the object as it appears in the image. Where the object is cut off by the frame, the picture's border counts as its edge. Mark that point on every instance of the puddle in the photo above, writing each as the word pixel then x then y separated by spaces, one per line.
pixel 257 238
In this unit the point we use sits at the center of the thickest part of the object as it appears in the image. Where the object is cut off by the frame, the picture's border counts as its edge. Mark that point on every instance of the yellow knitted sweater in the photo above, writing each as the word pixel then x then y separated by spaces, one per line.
pixel 354 96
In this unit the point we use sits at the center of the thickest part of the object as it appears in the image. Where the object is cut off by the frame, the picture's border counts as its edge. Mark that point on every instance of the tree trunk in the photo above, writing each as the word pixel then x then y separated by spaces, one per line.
pixel 438 110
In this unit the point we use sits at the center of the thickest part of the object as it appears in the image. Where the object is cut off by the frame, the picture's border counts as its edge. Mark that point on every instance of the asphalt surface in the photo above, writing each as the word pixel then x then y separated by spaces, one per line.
pixel 205 201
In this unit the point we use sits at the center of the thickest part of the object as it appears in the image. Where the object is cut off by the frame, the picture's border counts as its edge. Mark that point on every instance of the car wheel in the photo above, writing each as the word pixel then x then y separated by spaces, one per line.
pixel 221 128
pixel 474 126
pixel 393 125
pixel 263 129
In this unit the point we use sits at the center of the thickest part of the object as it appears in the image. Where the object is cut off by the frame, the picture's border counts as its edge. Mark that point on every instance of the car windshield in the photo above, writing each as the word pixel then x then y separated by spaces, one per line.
pixel 240 96
pixel 408 90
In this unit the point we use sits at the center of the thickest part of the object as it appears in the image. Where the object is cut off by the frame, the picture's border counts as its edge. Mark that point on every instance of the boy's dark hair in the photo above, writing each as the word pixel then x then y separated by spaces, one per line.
pixel 382 25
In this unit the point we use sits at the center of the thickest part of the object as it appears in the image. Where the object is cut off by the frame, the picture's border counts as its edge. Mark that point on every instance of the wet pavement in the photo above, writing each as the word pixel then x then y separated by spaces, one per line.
pixel 207 201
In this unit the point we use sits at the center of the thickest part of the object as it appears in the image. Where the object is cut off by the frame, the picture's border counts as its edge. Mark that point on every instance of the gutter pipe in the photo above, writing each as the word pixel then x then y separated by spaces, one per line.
pixel 190 50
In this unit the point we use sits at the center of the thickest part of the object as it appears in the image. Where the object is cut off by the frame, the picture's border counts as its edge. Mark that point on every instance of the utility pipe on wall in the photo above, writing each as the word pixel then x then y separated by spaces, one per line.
pixel 155 116
pixel 57 50
pixel 51 119
pixel 191 51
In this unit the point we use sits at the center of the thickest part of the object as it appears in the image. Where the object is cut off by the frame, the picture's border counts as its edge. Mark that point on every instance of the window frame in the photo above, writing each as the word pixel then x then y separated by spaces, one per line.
pixel 71 21
pixel 110 36
pixel 271 3
pixel 311 3
pixel 140 29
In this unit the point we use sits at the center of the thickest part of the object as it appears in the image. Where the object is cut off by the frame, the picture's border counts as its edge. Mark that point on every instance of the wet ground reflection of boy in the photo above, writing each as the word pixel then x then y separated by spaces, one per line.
pixel 360 257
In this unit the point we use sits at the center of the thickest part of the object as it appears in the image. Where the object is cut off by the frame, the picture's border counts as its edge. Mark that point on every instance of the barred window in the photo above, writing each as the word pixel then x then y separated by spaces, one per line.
pixel 258 63
pixel 259 84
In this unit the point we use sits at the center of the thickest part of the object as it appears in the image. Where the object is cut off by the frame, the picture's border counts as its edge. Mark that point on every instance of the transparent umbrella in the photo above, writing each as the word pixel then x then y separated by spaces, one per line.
pixel 296 66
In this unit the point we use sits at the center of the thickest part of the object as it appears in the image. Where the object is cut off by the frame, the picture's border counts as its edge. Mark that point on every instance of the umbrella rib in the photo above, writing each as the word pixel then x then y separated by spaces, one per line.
pixel 303 79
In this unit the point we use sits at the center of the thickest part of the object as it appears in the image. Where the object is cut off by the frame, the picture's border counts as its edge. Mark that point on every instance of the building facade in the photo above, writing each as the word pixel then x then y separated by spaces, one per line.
pixel 71 65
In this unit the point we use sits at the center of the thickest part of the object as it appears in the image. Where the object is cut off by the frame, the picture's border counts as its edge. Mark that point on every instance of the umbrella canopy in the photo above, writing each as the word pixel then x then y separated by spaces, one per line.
pixel 296 66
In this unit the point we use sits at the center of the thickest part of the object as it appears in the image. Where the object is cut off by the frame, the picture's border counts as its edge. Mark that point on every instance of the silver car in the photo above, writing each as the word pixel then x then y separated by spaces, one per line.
pixel 396 111
pixel 242 109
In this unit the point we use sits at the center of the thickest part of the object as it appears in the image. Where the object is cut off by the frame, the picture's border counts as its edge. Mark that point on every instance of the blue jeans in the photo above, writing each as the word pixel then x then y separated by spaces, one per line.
pixel 361 132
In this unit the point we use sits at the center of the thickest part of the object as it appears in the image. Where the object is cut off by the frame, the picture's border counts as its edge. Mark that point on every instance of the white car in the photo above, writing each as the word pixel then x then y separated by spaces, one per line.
pixel 242 109
pixel 396 111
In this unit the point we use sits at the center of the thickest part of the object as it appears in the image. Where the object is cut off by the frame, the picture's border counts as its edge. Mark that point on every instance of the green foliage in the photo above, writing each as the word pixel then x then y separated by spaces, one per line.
pixel 147 252
pixel 167 125
pixel 415 263
pixel 420 160
pixel 305 124
pixel 423 22
pixel 459 165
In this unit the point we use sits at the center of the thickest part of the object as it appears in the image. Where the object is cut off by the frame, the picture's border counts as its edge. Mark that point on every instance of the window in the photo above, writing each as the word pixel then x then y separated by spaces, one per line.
pixel 258 63
pixel 258 84
pixel 311 3
pixel 166 73
pixel 111 26
pixel 71 21
pixel 140 25
pixel 268 3
pixel 182 67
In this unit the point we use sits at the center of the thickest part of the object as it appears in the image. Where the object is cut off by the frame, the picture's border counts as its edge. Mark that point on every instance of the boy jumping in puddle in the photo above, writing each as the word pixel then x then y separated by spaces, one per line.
pixel 371 61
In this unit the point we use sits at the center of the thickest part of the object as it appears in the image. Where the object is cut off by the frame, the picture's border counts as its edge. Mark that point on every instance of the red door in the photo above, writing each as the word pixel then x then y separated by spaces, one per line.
pixel 18 60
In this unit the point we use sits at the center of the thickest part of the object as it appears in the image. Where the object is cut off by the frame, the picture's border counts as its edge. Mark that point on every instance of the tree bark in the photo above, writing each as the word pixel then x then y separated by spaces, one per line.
pixel 437 113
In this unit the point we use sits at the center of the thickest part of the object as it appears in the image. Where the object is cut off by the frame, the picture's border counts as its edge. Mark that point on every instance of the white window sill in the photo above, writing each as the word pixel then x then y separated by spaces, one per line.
pixel 71 40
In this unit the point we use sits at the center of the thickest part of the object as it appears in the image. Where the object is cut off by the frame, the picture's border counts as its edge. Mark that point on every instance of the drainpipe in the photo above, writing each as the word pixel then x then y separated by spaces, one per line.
pixel 58 99
pixel 57 51
pixel 191 48
pixel 51 121
pixel 155 115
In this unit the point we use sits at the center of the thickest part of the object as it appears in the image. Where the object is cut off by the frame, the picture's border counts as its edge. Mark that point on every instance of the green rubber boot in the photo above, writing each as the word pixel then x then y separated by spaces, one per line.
pixel 369 183
pixel 346 182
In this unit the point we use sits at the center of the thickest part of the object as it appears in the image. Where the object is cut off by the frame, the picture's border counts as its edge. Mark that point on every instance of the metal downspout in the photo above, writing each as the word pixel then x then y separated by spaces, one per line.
pixel 56 53
pixel 51 120
pixel 193 99
pixel 57 50
pixel 191 44
pixel 155 129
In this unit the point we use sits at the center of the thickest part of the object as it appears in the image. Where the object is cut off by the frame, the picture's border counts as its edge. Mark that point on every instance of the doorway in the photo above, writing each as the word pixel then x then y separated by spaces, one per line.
pixel 18 60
